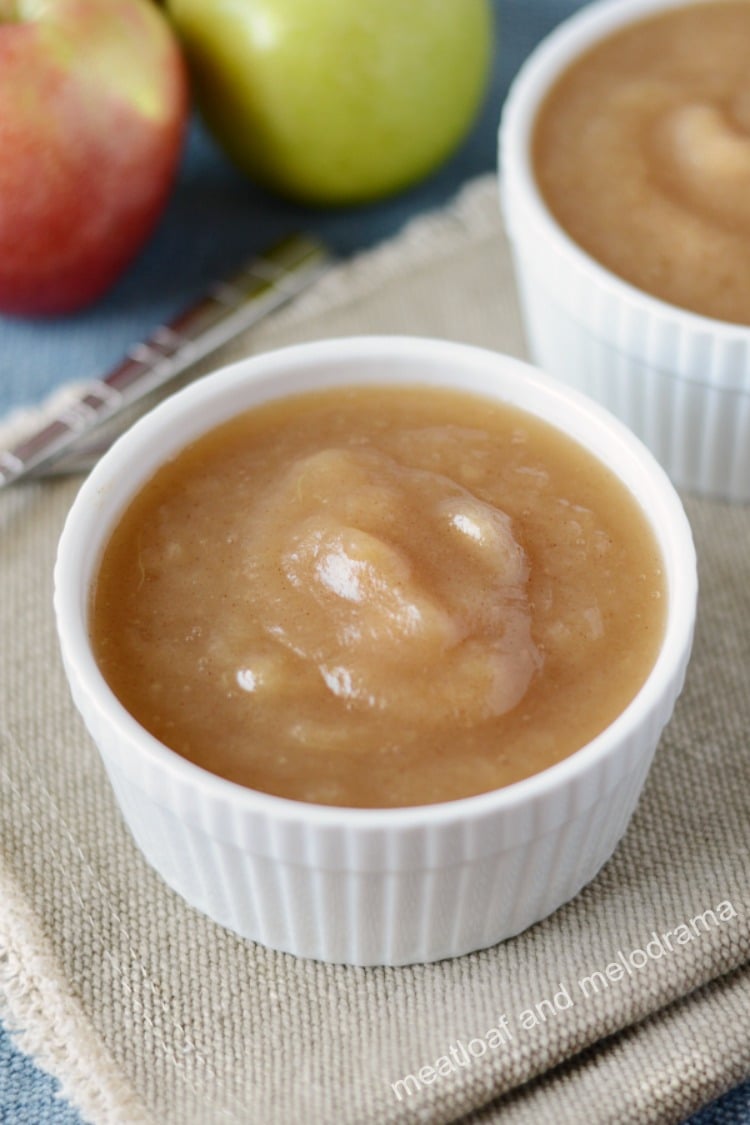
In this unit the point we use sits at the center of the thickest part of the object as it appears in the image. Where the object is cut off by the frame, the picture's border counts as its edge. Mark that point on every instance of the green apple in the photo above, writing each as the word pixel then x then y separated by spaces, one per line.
pixel 336 101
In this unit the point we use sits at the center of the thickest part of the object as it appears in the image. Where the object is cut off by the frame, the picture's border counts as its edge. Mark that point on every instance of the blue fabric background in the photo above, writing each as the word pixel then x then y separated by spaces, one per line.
pixel 215 219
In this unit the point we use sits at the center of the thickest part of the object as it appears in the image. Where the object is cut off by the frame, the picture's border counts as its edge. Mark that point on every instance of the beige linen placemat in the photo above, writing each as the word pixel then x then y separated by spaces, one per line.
pixel 150 1013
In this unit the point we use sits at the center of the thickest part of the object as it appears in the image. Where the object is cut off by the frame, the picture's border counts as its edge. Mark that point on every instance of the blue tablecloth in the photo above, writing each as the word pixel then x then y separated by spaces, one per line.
pixel 216 218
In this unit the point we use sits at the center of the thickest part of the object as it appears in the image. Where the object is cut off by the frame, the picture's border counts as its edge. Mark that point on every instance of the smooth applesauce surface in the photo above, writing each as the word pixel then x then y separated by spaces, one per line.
pixel 379 596
pixel 642 152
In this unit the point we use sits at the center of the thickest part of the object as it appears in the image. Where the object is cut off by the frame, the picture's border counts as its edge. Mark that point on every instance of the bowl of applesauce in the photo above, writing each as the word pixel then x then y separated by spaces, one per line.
pixel 624 158
pixel 376 638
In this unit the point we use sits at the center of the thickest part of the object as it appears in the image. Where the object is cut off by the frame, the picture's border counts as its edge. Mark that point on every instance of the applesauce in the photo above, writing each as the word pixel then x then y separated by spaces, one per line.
pixel 642 153
pixel 379 596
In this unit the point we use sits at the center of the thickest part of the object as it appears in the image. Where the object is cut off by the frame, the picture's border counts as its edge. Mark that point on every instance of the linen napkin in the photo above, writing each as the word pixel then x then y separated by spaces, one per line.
pixel 629 1004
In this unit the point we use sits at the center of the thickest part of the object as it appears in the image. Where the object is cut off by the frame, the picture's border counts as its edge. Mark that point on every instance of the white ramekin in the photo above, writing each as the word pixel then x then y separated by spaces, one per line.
pixel 373 886
pixel 680 381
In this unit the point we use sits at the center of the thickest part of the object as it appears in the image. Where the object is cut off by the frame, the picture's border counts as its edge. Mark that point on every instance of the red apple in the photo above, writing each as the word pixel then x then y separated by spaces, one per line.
pixel 93 102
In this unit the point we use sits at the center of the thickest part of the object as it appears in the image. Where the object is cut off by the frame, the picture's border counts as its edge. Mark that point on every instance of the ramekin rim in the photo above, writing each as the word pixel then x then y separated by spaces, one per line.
pixel 660 684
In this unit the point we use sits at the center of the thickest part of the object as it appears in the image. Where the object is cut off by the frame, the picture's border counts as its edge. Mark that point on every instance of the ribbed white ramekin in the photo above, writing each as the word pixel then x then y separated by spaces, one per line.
pixel 373 886
pixel 680 381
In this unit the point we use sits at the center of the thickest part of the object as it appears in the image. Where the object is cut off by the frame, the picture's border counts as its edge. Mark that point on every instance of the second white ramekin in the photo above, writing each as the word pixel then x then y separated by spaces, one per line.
pixel 373 886
pixel 680 381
